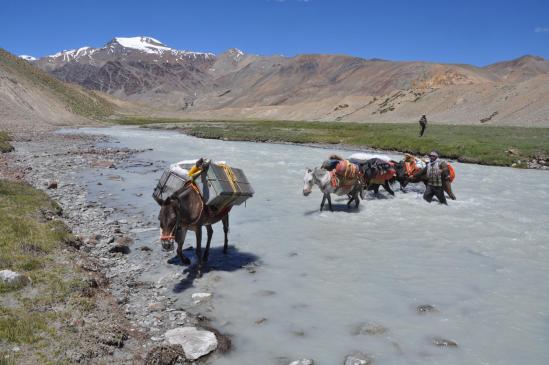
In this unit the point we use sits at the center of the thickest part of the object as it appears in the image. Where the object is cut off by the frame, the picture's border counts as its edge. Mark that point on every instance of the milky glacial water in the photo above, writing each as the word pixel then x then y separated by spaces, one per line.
pixel 482 261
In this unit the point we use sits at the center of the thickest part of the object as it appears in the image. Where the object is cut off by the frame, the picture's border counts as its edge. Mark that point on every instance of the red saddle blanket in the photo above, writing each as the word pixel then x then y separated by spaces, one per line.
pixel 347 169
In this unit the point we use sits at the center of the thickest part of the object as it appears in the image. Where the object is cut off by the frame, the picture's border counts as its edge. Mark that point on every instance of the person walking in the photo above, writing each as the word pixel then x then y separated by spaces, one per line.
pixel 436 172
pixel 422 124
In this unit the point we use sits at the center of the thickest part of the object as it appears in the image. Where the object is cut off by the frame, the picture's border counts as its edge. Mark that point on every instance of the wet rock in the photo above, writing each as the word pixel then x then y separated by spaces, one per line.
pixel 165 355
pixel 358 358
pixel 265 293
pixel 302 362
pixel 261 321
pixel 442 342
pixel 372 329
pixel 195 343
pixel 52 185
pixel 123 249
pixel 124 240
pixel 145 248
pixel 103 164
pixel 426 308
pixel 12 278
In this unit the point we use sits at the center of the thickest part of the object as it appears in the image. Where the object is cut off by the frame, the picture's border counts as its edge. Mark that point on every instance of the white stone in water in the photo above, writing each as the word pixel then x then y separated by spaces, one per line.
pixel 201 296
pixel 196 343
pixel 13 278
pixel 358 359
pixel 302 362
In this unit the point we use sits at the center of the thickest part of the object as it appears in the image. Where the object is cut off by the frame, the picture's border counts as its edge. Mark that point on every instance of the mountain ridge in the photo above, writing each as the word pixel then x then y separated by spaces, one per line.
pixel 307 86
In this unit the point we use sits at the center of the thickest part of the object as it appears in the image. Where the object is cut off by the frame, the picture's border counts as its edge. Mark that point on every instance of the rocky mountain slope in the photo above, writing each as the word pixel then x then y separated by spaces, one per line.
pixel 31 98
pixel 308 87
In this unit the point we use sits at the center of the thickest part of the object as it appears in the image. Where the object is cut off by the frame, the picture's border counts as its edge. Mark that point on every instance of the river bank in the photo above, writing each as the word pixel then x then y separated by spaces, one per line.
pixel 485 145
pixel 126 319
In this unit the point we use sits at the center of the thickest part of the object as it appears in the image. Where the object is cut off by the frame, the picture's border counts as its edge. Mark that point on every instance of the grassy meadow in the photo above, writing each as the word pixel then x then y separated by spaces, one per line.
pixel 490 145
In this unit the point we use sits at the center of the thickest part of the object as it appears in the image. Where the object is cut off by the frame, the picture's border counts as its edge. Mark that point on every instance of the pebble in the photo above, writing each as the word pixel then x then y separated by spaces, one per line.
pixel 426 308
pixel 442 342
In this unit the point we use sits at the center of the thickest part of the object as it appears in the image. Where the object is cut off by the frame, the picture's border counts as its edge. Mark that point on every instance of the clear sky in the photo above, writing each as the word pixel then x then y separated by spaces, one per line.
pixel 459 31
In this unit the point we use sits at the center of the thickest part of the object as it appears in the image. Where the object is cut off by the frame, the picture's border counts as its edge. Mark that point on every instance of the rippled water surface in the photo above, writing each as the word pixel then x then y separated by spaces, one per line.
pixel 482 261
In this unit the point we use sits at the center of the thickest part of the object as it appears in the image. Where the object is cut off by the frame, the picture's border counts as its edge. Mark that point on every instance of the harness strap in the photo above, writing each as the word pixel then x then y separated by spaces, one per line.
pixel 197 190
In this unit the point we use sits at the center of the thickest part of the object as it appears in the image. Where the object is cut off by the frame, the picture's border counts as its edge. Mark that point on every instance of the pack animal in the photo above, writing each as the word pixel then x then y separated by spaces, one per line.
pixel 406 171
pixel 185 210
pixel 328 184
pixel 378 172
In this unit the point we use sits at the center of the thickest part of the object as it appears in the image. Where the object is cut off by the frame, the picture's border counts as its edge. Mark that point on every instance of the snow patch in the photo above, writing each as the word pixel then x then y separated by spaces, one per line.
pixel 27 57
pixel 145 44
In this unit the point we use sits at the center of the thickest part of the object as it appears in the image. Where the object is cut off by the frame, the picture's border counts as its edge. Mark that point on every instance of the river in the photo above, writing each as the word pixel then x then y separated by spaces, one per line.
pixel 322 285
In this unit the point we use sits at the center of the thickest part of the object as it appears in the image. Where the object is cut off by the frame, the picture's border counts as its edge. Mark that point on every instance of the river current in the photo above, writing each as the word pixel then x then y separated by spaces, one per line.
pixel 303 283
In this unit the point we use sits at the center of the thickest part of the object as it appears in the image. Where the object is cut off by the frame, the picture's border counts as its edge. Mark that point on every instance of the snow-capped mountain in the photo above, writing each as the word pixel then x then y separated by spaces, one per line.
pixel 27 57
pixel 135 67
pixel 125 49
pixel 311 86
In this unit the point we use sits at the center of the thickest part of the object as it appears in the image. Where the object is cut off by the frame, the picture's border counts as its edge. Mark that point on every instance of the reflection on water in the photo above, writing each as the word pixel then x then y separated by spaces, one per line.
pixel 315 284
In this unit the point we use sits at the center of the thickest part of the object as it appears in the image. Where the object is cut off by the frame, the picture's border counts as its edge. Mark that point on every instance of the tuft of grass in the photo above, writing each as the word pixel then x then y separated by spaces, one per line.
pixel 5 145
pixel 78 100
pixel 489 145
pixel 31 245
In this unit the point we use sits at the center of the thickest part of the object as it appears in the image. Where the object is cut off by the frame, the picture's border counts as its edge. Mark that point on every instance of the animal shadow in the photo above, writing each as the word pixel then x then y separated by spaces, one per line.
pixel 234 260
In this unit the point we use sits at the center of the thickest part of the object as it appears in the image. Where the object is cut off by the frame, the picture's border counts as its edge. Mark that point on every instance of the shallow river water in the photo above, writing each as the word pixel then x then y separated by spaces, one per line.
pixel 324 285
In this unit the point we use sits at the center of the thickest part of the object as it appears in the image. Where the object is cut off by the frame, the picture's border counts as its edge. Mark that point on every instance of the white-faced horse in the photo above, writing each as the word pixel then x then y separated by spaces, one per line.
pixel 323 179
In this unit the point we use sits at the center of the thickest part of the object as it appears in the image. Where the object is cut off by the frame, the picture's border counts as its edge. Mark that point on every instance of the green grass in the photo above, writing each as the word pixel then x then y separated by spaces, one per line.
pixel 5 145
pixel 78 100
pixel 490 145
pixel 31 245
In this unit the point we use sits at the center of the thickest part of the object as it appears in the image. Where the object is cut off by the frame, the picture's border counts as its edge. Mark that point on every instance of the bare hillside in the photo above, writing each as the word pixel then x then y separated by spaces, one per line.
pixel 31 99
pixel 307 87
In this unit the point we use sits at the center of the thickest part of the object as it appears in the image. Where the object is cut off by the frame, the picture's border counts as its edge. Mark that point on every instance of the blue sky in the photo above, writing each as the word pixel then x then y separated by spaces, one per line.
pixel 460 31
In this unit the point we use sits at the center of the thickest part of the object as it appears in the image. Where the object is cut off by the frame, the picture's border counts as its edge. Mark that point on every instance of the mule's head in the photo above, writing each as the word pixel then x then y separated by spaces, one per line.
pixel 168 222
pixel 401 173
pixel 308 182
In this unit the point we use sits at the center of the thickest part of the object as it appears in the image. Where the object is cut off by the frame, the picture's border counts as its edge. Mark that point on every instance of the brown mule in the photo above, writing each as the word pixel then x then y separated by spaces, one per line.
pixel 185 210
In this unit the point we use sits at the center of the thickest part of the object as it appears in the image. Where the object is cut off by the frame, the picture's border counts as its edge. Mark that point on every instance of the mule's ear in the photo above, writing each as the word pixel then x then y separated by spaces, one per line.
pixel 158 200
pixel 309 170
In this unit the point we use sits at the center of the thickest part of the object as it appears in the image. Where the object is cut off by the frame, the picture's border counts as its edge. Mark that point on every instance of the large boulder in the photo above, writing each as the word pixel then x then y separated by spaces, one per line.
pixel 195 342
